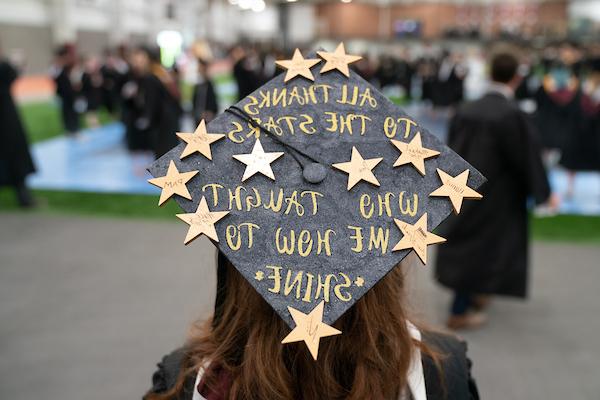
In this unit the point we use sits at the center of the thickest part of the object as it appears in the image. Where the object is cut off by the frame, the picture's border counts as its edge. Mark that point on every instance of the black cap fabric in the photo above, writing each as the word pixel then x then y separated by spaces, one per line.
pixel 303 236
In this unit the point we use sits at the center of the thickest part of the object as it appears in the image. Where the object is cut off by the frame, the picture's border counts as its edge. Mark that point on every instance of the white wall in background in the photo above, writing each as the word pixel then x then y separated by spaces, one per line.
pixel 303 23
pixel 27 12
pixel 585 9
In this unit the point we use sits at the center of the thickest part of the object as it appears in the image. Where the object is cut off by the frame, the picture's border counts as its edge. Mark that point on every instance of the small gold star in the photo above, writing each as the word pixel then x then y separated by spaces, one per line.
pixel 310 328
pixel 338 60
pixel 199 141
pixel 413 153
pixel 259 275
pixel 258 161
pixel 416 237
pixel 359 169
pixel 298 66
pixel 455 188
pixel 359 281
pixel 173 183
pixel 202 222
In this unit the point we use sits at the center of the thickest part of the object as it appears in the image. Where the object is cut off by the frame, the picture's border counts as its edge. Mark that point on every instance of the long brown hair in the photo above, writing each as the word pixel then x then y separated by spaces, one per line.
pixel 370 360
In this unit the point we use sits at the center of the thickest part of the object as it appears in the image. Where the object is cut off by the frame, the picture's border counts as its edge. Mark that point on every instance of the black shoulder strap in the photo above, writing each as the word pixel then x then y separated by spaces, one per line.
pixel 455 381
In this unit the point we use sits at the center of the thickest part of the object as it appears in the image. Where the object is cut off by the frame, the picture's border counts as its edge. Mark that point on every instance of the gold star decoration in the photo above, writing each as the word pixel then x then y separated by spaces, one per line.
pixel 310 328
pixel 338 60
pixel 455 187
pixel 199 141
pixel 298 66
pixel 202 222
pixel 413 153
pixel 173 183
pixel 416 237
pixel 258 161
pixel 359 169
pixel 259 275
pixel 359 281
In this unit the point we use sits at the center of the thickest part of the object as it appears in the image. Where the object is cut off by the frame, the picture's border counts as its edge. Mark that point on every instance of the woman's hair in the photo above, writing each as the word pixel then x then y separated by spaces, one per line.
pixel 369 360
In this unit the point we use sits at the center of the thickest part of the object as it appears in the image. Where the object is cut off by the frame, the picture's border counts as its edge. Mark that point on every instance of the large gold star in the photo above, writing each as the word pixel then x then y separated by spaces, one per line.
pixel 310 328
pixel 199 141
pixel 202 222
pixel 173 183
pixel 338 60
pixel 298 65
pixel 359 169
pixel 258 161
pixel 455 187
pixel 413 153
pixel 416 237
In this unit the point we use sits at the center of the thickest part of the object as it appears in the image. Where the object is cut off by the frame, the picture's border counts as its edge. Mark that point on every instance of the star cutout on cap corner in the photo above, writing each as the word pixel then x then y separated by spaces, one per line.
pixel 173 183
pixel 258 161
pixel 298 66
pixel 310 328
pixel 455 188
pixel 202 222
pixel 413 153
pixel 416 237
pixel 199 141
pixel 359 169
pixel 338 60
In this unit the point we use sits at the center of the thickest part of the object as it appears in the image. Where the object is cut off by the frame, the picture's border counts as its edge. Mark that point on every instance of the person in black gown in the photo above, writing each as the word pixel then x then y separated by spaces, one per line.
pixel 204 99
pixel 487 250
pixel 66 89
pixel 156 109
pixel 15 160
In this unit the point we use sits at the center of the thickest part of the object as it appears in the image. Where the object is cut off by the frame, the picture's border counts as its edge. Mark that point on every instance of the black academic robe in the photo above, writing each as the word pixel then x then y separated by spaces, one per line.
pixel 68 95
pixel 556 121
pixel 456 382
pixel 161 112
pixel 204 99
pixel 486 251
pixel 15 160
pixel 581 151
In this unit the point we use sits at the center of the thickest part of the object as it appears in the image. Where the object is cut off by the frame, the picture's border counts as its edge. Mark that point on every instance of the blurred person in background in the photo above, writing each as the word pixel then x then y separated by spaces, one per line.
pixel 245 70
pixel 204 98
pixel 155 96
pixel 114 70
pixel 92 89
pixel 15 159
pixel 448 88
pixel 67 86
pixel 557 102
pixel 487 249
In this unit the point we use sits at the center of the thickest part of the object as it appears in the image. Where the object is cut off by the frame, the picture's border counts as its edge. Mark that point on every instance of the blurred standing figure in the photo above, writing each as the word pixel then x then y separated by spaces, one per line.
pixel 66 87
pixel 156 97
pixel 92 89
pixel 204 100
pixel 245 71
pixel 486 252
pixel 15 160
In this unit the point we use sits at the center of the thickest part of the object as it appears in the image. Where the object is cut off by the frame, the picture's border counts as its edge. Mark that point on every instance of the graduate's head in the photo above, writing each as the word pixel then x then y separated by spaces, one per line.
pixel 140 61
pixel 503 68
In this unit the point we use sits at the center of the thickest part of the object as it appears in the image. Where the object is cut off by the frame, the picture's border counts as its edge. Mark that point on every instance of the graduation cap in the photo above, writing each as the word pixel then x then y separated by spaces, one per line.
pixel 314 187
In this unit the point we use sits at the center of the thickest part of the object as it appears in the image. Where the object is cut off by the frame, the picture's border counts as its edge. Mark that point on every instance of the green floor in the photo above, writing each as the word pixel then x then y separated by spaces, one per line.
pixel 42 119
pixel 570 228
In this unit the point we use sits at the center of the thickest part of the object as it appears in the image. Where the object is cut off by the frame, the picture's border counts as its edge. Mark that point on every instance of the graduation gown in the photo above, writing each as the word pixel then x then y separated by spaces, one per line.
pixel 68 95
pixel 161 111
pixel 455 384
pixel 581 151
pixel 15 160
pixel 486 251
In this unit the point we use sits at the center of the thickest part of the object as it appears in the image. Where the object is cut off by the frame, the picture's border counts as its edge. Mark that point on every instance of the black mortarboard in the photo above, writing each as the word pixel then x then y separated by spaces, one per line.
pixel 315 189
